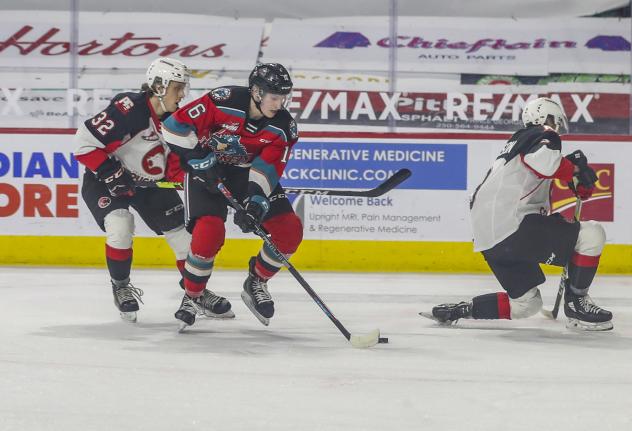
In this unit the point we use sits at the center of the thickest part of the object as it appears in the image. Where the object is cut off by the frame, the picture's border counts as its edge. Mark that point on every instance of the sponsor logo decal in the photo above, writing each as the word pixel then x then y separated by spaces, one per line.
pixel 220 94
pixel 124 105
pixel 104 202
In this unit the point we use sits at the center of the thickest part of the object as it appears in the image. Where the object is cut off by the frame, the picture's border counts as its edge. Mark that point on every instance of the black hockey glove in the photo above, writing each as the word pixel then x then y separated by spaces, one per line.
pixel 118 181
pixel 203 168
pixel 585 178
pixel 250 217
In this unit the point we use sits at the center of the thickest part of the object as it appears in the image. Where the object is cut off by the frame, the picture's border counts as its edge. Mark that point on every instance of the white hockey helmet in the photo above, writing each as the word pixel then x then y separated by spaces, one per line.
pixel 539 110
pixel 162 71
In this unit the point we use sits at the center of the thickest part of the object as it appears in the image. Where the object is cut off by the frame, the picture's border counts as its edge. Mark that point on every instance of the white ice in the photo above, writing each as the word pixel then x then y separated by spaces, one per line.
pixel 67 361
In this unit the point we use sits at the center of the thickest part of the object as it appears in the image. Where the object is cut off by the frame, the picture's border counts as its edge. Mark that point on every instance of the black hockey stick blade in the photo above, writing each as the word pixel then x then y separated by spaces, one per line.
pixel 388 185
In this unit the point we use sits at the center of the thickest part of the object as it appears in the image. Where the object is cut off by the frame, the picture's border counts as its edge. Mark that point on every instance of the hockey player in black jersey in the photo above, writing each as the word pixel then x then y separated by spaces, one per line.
pixel 122 146
pixel 513 229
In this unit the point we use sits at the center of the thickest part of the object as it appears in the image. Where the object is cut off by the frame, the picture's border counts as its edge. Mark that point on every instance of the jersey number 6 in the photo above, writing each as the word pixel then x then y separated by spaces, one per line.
pixel 196 111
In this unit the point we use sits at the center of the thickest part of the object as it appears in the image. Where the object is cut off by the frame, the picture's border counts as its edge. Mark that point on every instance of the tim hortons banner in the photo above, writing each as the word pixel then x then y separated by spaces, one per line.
pixel 454 45
pixel 128 41
pixel 588 112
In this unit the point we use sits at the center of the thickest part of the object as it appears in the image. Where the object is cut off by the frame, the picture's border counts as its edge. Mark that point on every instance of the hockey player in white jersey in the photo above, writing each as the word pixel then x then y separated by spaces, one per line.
pixel 121 147
pixel 513 229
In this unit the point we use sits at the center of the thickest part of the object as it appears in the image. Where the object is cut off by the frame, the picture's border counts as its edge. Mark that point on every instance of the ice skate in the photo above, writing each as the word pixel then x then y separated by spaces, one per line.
pixel 126 298
pixel 256 296
pixel 583 314
pixel 447 314
pixel 212 305
pixel 186 313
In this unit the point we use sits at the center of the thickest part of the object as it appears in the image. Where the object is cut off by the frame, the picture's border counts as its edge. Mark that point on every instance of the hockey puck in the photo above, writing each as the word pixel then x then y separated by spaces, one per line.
pixel 383 340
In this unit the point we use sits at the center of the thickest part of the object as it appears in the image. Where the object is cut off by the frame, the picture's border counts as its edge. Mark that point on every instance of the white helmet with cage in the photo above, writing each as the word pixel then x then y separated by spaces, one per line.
pixel 538 112
pixel 162 71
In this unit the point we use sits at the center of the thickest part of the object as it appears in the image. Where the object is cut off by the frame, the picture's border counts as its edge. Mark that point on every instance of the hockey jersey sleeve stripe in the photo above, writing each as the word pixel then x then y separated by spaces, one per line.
pixel 178 128
pixel 544 162
pixel 277 131
pixel 90 151
pixel 189 141
pixel 232 111
pixel 92 160
pixel 264 175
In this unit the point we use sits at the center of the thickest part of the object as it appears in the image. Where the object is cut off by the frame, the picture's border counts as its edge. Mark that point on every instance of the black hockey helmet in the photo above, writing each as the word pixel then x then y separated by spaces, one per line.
pixel 272 78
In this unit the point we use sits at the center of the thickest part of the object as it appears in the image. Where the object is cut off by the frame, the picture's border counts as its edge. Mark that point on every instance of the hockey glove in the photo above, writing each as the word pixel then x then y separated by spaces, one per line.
pixel 250 217
pixel 584 178
pixel 203 168
pixel 118 181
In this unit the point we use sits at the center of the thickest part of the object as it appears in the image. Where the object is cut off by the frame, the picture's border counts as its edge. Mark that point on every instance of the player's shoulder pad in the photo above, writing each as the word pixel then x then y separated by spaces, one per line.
pixel 551 138
pixel 230 95
pixel 284 121
pixel 533 137
pixel 128 102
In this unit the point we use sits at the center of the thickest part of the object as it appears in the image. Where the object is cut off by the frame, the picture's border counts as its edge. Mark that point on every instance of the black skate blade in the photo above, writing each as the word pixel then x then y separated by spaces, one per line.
pixel 253 310
pixel 437 321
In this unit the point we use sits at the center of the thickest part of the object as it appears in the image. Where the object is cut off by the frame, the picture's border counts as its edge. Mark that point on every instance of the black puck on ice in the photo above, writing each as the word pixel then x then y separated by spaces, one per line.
pixel 382 340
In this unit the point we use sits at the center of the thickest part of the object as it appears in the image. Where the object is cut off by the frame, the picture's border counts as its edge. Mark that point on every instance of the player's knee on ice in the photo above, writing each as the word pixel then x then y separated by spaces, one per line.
pixel 591 238
pixel 527 305
pixel 119 228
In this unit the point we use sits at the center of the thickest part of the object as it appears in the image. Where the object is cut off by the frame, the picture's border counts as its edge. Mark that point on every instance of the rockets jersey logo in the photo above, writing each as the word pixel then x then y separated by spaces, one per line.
pixel 228 148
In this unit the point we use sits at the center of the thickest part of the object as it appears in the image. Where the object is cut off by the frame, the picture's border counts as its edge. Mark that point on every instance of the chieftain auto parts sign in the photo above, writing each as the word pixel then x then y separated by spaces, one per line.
pixel 454 45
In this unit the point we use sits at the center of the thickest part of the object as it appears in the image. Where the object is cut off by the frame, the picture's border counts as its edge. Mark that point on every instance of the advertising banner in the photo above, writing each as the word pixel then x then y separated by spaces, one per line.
pixel 40 187
pixel 128 41
pixel 492 108
pixel 587 112
pixel 454 45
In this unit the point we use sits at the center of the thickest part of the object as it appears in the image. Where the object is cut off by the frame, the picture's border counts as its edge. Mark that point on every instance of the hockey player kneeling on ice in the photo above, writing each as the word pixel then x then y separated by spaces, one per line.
pixel 242 136
pixel 122 146
pixel 514 234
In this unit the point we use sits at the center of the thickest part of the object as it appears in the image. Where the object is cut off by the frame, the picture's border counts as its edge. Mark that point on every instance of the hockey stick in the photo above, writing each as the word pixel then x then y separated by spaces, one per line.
pixel 360 341
pixel 388 185
pixel 552 314
pixel 396 179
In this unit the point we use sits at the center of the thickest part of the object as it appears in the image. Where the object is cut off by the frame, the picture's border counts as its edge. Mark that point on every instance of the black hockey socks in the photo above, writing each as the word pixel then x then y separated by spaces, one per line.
pixel 491 306
pixel 581 272
pixel 119 262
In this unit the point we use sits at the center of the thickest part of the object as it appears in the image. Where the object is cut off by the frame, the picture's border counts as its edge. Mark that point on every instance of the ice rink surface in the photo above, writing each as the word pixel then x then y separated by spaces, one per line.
pixel 67 361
